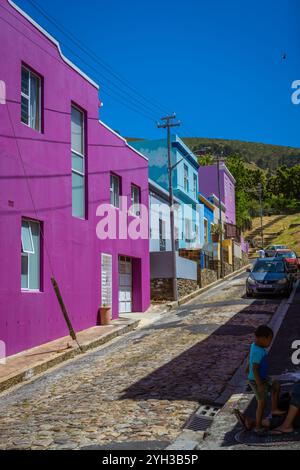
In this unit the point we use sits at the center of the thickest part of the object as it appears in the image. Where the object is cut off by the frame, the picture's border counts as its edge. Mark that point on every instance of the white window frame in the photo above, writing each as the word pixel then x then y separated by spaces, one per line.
pixel 28 98
pixel 27 255
pixel 186 178
pixel 135 206
pixel 195 180
pixel 112 187
pixel 81 155
pixel 31 239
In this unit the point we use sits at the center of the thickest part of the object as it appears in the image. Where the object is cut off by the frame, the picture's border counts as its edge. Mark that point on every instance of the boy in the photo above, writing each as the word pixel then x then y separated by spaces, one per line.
pixel 259 381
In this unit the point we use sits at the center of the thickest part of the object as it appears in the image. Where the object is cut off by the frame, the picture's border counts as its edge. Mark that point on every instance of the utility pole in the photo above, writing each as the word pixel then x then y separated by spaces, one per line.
pixel 260 193
pixel 167 124
pixel 220 214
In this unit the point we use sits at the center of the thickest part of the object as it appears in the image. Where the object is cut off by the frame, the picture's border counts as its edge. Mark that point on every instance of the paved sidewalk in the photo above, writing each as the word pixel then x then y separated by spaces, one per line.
pixel 27 364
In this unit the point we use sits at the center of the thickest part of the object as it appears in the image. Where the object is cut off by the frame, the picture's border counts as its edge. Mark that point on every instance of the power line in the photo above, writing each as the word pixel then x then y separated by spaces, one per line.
pixel 94 56
pixel 133 106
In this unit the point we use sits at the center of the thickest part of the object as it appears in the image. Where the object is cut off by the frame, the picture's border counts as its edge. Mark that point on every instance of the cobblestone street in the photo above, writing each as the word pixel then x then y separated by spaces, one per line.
pixel 143 386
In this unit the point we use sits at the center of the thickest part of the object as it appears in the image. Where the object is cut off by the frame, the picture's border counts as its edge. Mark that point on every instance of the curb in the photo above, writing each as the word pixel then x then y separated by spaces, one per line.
pixel 190 440
pixel 30 373
pixel 198 292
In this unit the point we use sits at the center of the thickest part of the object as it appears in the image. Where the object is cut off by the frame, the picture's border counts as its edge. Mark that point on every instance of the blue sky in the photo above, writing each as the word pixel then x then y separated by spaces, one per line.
pixel 218 64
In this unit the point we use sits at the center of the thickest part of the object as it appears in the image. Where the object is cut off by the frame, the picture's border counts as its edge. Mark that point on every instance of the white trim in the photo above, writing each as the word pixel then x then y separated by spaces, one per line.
pixel 55 42
pixel 28 97
pixel 123 139
pixel 31 239
pixel 224 167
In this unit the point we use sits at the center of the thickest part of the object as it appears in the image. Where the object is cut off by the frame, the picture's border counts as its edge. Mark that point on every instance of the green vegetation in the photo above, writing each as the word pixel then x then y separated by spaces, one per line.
pixel 265 156
pixel 281 190
pixel 281 230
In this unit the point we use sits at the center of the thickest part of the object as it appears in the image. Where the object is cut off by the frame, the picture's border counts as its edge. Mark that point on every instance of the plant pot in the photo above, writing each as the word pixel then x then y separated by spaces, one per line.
pixel 215 237
pixel 105 315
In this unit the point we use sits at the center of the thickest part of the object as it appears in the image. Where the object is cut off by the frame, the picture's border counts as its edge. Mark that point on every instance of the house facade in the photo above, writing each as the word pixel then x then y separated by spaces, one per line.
pixel 189 215
pixel 62 172
pixel 208 182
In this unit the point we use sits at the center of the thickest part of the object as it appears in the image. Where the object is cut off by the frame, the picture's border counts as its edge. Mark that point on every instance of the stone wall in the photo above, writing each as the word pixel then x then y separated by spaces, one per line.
pixel 186 286
pixel 207 276
pixel 238 264
pixel 161 289
pixel 245 259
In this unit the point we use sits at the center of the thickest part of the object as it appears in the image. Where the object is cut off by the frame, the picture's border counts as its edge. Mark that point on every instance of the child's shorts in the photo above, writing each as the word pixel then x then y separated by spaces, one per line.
pixel 269 386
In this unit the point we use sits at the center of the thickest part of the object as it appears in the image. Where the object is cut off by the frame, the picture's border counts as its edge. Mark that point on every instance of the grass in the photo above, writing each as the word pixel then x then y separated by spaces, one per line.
pixel 286 226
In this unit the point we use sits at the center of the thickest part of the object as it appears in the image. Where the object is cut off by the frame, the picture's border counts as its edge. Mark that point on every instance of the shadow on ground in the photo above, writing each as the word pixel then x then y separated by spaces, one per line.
pixel 202 372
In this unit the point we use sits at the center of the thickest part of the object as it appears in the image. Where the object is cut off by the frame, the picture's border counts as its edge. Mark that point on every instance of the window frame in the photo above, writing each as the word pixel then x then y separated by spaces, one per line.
pixel 134 206
pixel 82 156
pixel 162 234
pixel 115 177
pixel 28 98
pixel 195 188
pixel 186 178
pixel 27 256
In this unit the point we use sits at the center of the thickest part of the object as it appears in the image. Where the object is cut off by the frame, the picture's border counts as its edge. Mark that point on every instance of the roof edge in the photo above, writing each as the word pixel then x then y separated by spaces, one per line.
pixel 54 41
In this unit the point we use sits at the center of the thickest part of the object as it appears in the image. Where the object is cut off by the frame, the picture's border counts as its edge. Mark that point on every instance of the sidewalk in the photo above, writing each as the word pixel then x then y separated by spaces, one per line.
pixel 25 365
pixel 225 432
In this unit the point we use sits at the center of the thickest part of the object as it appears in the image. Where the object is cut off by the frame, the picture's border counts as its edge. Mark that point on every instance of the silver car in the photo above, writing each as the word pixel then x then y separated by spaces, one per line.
pixel 270 252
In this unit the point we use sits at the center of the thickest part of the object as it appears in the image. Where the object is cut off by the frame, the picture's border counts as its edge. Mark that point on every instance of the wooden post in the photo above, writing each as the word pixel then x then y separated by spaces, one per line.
pixel 64 311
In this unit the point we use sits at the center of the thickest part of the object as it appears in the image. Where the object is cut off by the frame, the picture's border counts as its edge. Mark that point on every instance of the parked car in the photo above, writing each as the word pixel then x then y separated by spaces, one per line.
pixel 270 276
pixel 290 257
pixel 270 252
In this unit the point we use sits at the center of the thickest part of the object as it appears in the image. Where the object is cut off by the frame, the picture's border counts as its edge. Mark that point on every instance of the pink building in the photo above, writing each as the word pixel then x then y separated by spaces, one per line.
pixel 58 163
pixel 208 186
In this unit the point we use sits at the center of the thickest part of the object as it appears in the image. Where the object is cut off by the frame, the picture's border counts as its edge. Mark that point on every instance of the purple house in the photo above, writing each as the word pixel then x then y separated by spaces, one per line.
pixel 58 164
pixel 208 184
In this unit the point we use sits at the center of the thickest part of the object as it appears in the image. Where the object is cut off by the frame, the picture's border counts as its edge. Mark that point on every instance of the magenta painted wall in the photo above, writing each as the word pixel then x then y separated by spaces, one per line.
pixel 30 319
pixel 208 184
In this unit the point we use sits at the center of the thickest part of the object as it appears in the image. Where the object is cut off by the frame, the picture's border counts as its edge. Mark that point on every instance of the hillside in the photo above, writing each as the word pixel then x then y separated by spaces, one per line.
pixel 263 155
pixel 279 229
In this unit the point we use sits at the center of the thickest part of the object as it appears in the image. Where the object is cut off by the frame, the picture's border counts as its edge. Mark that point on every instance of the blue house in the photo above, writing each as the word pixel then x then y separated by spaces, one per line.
pixel 190 213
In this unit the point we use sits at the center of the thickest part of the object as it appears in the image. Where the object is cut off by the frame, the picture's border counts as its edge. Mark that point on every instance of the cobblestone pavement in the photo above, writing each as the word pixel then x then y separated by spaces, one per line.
pixel 143 386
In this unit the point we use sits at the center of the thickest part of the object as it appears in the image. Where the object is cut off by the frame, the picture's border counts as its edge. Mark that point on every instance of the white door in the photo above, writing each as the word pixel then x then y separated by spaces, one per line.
pixel 125 285
pixel 106 280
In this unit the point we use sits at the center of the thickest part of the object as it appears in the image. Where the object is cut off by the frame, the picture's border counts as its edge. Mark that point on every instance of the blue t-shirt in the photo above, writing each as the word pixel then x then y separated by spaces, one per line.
pixel 258 355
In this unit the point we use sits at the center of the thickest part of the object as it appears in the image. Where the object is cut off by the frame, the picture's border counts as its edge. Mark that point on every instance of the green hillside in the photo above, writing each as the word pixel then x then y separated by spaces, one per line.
pixel 263 155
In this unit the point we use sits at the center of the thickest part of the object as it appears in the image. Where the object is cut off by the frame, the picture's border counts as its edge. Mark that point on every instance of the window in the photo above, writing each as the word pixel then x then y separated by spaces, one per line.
pixel 30 255
pixel 205 231
pixel 188 230
pixel 162 235
pixel 31 99
pixel 186 178
pixel 78 163
pixel 195 186
pixel 135 200
pixel 115 190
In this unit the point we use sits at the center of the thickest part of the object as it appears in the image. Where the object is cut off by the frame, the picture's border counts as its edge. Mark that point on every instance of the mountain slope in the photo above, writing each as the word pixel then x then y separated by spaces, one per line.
pixel 265 156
